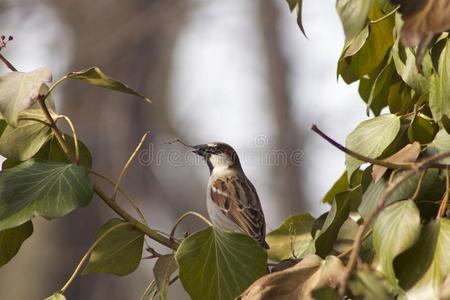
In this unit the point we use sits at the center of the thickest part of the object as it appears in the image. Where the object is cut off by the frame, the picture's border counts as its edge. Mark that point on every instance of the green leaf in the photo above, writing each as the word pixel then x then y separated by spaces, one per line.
pixel 163 269
pixel 219 265
pixel 19 91
pixel 422 129
pixel 56 296
pixel 380 89
pixel 395 230
pixel 292 5
pixel 96 77
pixel 370 138
pixel 45 188
pixel 341 185
pixel 119 252
pixel 359 61
pixel 369 286
pixel 408 70
pixel 440 144
pixel 340 210
pixel 405 190
pixel 423 268
pixel 24 141
pixel 353 15
pixel 52 151
pixel 439 88
pixel 292 239
pixel 11 240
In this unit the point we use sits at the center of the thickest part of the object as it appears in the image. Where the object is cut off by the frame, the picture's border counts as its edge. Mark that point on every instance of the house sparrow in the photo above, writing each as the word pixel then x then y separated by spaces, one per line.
pixel 231 198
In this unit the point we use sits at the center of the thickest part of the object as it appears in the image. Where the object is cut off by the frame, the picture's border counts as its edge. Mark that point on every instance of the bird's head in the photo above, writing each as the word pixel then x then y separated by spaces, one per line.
pixel 218 155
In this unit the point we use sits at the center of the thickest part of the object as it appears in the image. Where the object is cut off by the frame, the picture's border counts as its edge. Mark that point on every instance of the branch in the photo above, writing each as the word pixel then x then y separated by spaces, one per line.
pixel 7 63
pixel 417 168
pixel 386 164
pixel 153 234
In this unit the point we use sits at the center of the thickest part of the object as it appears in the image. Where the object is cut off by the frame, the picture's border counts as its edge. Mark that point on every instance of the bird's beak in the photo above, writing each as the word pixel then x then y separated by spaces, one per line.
pixel 200 150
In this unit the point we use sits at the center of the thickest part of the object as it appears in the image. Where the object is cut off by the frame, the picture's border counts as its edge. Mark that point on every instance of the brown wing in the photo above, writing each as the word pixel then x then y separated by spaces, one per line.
pixel 238 200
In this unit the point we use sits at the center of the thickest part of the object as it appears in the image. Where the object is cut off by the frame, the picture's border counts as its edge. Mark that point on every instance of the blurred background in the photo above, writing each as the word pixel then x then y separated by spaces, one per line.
pixel 237 71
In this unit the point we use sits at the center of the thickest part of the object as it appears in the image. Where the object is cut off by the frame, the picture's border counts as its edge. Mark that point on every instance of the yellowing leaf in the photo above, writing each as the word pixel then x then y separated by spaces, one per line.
pixel 19 91
pixel 297 282
pixel 409 153
pixel 423 18
pixel 292 239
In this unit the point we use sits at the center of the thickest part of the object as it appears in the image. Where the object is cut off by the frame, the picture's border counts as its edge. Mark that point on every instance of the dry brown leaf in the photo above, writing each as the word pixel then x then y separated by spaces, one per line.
pixel 297 282
pixel 423 19
pixel 407 154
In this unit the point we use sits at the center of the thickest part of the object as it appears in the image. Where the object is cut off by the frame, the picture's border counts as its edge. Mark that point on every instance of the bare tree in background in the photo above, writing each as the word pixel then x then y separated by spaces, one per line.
pixel 289 136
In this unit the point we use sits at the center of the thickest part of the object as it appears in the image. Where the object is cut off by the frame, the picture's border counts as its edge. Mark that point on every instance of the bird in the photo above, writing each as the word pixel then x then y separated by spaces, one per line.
pixel 231 199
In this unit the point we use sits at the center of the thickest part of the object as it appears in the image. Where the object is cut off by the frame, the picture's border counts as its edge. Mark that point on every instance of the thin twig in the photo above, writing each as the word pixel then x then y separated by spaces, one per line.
pixel 56 131
pixel 382 163
pixel 419 184
pixel 86 255
pixel 7 63
pixel 443 206
pixel 186 214
pixel 75 138
pixel 418 167
pixel 385 16
pixel 130 200
pixel 386 164
pixel 127 165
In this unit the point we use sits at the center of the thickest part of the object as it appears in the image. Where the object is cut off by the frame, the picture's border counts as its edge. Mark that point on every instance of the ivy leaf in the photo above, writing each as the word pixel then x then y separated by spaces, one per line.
pixel 370 138
pixel 339 212
pixel 163 269
pixel 353 15
pixel 11 240
pixel 440 144
pixel 439 88
pixel 405 191
pixel 292 239
pixel 422 129
pixel 380 88
pixel 395 230
pixel 19 91
pixel 45 188
pixel 341 185
pixel 297 282
pixel 409 153
pixel 95 76
pixel 56 296
pixel 423 278
pixel 370 286
pixel 368 57
pixel 24 141
pixel 292 5
pixel 52 151
pixel 408 70
pixel 119 252
pixel 215 264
